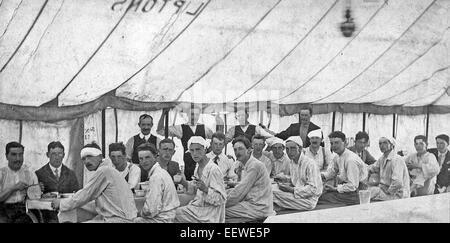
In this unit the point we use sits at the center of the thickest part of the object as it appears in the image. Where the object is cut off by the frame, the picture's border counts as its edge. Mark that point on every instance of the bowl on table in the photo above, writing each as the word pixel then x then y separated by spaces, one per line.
pixel 139 193
pixel 66 195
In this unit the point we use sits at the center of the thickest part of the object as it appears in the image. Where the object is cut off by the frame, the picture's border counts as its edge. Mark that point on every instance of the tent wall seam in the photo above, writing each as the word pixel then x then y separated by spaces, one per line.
pixel 25 37
pixel 165 48
pixel 401 71
pixel 11 19
pixel 95 52
pixel 230 51
pixel 290 52
pixel 416 85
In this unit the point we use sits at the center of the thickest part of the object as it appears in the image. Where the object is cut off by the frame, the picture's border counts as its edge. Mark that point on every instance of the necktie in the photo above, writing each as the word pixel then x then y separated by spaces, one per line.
pixel 56 174
pixel 216 159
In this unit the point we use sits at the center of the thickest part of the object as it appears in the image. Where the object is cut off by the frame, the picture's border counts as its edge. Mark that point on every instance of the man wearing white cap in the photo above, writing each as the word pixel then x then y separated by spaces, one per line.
pixel 315 151
pixel 305 186
pixel 208 205
pixel 280 161
pixel 114 201
pixel 392 171
pixel 252 198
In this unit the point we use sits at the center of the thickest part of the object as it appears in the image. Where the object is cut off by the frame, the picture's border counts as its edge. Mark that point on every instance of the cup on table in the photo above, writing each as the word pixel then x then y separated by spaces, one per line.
pixel 139 193
pixel 143 185
pixel 364 196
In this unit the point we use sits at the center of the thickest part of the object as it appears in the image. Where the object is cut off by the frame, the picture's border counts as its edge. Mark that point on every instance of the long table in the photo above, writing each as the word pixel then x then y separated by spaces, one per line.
pixel 425 209
pixel 86 212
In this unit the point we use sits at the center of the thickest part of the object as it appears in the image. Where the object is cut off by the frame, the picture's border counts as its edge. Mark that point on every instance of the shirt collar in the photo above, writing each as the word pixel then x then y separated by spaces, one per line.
pixel 142 136
pixel 156 165
pixel 439 153
pixel 54 168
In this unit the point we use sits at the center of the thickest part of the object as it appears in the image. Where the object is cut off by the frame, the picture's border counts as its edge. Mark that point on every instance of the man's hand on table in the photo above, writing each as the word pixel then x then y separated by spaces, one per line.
pixel 286 187
pixel 19 186
pixel 330 188
pixel 55 203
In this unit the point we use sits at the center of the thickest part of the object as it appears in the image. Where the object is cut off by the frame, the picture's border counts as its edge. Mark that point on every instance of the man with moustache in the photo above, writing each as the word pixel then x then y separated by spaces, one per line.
pixel 251 198
pixel 304 187
pixel 114 201
pixel 145 124
pixel 394 177
pixel 16 183
pixel 208 205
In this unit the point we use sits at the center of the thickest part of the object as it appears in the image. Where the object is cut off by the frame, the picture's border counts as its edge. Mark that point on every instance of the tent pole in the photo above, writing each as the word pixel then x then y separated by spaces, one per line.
pixel 364 122
pixel 427 123
pixel 117 127
pixel 103 132
pixel 166 124
pixel 393 125
pixel 333 123
pixel 20 130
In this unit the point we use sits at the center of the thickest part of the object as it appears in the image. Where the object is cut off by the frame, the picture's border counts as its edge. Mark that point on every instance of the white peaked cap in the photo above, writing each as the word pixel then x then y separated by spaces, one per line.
pixel 198 140
pixel 274 140
pixel 296 139
pixel 315 133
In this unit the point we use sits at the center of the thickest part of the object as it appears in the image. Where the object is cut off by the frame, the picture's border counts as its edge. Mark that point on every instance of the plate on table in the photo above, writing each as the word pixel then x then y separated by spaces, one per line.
pixel 48 199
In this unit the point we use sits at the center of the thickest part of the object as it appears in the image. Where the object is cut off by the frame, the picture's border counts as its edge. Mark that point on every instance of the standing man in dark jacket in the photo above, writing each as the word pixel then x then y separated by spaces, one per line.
pixel 145 124
pixel 55 176
pixel 300 129
pixel 443 157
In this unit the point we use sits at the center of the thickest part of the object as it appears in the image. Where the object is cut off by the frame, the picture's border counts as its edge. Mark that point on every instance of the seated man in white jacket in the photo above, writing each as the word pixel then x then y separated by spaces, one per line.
pixel 303 189
pixel 161 198
pixel 114 201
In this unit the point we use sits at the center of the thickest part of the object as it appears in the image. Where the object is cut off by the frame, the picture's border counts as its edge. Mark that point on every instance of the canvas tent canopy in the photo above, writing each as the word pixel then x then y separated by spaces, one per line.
pixel 64 62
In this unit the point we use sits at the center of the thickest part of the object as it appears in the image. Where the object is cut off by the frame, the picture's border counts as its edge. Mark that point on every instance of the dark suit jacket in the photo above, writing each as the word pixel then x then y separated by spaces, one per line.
pixel 294 130
pixel 443 178
pixel 67 180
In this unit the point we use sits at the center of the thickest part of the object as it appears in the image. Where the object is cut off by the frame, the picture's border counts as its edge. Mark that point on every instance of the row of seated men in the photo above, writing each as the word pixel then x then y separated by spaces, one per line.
pixel 225 190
